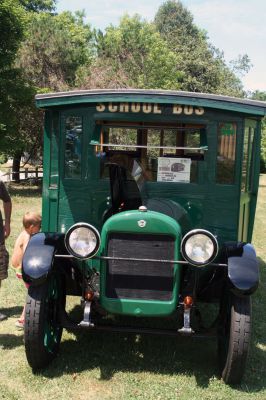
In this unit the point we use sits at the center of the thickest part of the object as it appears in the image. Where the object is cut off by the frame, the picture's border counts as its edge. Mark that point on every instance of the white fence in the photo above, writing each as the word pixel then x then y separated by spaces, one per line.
pixel 6 174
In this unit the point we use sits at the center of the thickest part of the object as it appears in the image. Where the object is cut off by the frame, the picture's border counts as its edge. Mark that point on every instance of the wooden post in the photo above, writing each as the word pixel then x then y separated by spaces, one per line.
pixel 26 173
pixel 36 172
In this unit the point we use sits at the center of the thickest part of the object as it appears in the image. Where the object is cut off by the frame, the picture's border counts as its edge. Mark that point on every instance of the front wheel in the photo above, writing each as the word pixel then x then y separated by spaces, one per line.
pixel 43 332
pixel 234 337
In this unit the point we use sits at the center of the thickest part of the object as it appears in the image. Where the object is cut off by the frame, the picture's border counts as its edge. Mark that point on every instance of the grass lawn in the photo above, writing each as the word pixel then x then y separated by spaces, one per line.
pixel 119 366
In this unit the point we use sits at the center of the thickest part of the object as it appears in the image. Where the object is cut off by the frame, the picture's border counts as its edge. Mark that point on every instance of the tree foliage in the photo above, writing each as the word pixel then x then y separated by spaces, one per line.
pixel 135 56
pixel 16 93
pixel 259 95
pixel 12 20
pixel 38 5
pixel 41 50
pixel 55 48
pixel 202 65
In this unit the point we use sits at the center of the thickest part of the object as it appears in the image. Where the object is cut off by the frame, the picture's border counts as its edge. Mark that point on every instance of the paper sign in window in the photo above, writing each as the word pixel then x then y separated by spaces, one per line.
pixel 173 169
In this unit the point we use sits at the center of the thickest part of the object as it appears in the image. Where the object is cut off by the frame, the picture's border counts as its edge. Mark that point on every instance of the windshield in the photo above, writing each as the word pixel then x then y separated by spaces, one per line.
pixel 153 153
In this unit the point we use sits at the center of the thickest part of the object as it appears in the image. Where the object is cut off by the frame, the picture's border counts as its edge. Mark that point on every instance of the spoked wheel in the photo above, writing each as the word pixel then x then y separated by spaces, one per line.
pixel 233 337
pixel 42 330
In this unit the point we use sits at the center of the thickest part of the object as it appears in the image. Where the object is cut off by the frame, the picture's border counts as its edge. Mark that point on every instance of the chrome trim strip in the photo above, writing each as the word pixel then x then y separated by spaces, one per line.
pixel 202 148
pixel 140 259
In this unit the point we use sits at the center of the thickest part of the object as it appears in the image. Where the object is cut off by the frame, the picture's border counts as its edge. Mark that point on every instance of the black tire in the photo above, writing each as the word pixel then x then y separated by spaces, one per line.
pixel 42 333
pixel 234 337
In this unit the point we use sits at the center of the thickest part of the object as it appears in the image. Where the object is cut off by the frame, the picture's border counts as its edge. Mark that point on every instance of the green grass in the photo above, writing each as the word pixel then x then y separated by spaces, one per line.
pixel 119 366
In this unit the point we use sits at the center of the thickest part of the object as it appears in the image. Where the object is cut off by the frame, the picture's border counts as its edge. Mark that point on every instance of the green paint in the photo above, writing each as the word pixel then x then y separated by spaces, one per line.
pixel 208 205
pixel 156 223
pixel 227 129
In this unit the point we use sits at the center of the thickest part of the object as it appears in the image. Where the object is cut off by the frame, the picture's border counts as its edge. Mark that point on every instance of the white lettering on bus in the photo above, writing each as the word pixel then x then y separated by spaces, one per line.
pixel 156 109
pixel 199 111
pixel 177 109
pixel 148 108
pixel 124 107
pixel 188 110
pixel 135 107
pixel 100 107
pixel 112 108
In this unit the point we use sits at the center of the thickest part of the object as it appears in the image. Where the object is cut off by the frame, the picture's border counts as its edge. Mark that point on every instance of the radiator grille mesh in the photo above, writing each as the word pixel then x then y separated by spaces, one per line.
pixel 137 279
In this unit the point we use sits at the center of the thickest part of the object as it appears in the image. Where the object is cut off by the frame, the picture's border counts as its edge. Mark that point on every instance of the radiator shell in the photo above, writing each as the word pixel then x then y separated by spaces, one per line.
pixel 140 287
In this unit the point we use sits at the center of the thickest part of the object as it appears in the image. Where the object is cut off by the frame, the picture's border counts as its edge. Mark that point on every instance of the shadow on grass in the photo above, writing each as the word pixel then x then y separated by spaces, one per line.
pixel 116 352
pixel 24 189
pixel 119 352
pixel 113 352
pixel 257 357
pixel 9 341
pixel 12 311
pixel 162 355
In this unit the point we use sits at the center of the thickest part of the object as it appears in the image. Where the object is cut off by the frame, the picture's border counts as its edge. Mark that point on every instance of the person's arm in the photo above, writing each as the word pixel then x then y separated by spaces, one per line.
pixel 19 249
pixel 16 259
pixel 7 211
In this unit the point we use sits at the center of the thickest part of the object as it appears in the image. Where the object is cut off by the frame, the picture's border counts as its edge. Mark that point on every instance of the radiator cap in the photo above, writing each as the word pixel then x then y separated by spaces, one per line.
pixel 143 208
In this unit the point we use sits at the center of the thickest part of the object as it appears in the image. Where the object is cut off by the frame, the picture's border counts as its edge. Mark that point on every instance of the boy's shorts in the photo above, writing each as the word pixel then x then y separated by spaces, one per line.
pixel 4 260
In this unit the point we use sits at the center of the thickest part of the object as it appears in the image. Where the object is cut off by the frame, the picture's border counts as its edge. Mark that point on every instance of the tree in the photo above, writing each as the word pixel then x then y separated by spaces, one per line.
pixel 135 56
pixel 258 95
pixel 241 65
pixel 38 5
pixel 55 48
pixel 202 65
pixel 12 20
pixel 16 93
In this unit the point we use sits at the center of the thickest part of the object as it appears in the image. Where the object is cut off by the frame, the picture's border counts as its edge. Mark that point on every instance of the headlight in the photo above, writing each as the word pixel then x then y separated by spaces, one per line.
pixel 82 240
pixel 199 247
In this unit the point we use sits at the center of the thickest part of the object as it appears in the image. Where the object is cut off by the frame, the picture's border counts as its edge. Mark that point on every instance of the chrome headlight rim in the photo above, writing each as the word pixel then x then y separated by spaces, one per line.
pixel 89 227
pixel 199 232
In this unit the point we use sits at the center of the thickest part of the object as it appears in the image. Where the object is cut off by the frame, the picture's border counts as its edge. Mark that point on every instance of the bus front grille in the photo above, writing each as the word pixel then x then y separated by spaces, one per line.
pixel 138 279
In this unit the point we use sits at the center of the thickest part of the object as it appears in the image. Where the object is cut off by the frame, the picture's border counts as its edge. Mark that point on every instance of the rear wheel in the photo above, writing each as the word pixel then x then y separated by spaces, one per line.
pixel 42 329
pixel 234 337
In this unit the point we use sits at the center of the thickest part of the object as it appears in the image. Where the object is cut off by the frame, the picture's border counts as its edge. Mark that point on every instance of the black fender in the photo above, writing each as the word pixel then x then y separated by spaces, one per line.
pixel 38 257
pixel 243 268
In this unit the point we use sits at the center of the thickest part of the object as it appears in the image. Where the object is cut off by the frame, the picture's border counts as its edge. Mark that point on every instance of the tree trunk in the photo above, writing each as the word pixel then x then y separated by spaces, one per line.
pixel 16 167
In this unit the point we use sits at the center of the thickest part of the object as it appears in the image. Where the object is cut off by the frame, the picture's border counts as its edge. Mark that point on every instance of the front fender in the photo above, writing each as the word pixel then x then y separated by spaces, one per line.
pixel 38 257
pixel 243 269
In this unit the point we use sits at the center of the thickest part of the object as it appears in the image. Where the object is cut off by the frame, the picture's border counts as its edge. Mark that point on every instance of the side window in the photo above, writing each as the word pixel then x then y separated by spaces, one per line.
pixel 54 152
pixel 247 159
pixel 73 146
pixel 225 172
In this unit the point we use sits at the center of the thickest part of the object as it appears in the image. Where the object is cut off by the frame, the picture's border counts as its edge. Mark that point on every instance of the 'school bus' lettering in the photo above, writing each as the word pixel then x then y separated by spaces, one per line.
pixel 148 108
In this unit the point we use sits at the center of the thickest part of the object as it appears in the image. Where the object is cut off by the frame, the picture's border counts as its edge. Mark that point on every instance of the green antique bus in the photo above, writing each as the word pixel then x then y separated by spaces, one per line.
pixel 149 200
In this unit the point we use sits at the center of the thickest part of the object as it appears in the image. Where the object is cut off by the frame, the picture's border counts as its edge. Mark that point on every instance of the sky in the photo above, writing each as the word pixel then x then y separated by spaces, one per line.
pixel 235 27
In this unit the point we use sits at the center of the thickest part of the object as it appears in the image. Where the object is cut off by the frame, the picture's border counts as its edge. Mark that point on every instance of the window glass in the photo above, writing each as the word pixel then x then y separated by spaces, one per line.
pixel 54 152
pixel 247 159
pixel 73 139
pixel 163 153
pixel 225 173
pixel 121 137
pixel 250 158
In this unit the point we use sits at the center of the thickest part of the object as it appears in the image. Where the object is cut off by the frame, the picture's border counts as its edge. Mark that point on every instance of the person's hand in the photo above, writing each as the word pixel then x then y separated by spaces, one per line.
pixel 7 229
